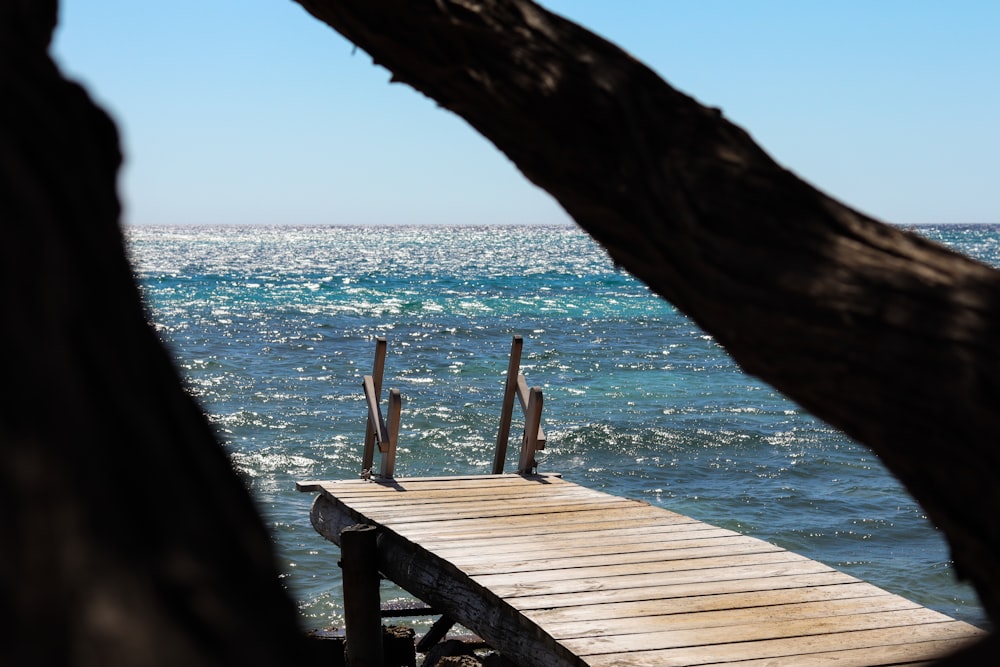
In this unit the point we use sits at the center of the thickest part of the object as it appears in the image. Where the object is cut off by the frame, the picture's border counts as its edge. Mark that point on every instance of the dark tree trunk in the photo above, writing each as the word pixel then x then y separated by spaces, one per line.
pixel 125 536
pixel 888 337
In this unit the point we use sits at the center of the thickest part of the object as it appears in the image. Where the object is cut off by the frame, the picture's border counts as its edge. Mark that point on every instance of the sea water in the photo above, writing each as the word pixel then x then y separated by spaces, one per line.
pixel 273 329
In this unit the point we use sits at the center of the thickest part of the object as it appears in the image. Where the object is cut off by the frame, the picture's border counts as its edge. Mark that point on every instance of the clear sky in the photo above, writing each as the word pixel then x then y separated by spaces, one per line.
pixel 251 111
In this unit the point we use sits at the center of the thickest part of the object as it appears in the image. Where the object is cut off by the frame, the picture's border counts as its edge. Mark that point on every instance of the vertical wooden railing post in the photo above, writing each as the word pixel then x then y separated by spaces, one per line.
pixel 367 460
pixel 389 451
pixel 374 413
pixel 362 604
pixel 522 397
pixel 529 442
pixel 507 410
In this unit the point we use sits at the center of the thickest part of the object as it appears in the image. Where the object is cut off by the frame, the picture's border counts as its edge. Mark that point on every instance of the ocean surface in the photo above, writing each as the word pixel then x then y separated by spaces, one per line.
pixel 273 328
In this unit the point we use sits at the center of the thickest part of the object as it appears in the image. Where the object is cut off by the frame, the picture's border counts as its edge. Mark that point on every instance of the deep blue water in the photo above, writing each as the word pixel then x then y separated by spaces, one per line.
pixel 273 328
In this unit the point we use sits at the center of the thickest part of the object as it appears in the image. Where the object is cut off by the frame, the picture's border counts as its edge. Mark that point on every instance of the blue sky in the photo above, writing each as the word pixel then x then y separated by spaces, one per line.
pixel 251 111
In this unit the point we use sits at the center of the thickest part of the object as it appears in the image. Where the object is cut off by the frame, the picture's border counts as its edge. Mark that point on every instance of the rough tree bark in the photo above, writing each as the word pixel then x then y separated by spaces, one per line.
pixel 886 336
pixel 125 536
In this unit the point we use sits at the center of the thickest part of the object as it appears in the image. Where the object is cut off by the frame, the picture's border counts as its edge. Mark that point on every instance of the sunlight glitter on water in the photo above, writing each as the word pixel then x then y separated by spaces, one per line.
pixel 273 329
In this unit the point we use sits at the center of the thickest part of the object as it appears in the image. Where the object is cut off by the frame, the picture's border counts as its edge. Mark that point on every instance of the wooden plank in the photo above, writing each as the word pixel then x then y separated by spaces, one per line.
pixel 476 529
pixel 795 593
pixel 413 503
pixel 593 543
pixel 339 486
pixel 440 500
pixel 801 648
pixel 665 570
pixel 648 586
pixel 897 655
pixel 446 485
pixel 500 525
pixel 620 557
pixel 593 521
pixel 839 626
pixel 443 495
pixel 668 531
pixel 691 587
pixel 470 529
pixel 575 537
pixel 493 505
pixel 436 493
pixel 604 624
pixel 494 510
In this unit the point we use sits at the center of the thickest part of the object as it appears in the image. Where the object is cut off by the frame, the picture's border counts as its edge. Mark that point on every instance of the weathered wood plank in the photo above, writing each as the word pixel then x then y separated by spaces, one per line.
pixel 500 509
pixel 707 567
pixel 748 581
pixel 949 635
pixel 898 655
pixel 606 624
pixel 459 494
pixel 428 504
pixel 728 601
pixel 540 522
pixel 582 545
pixel 838 626
pixel 621 556
pixel 511 587
pixel 444 534
pixel 424 511
pixel 442 489
pixel 338 486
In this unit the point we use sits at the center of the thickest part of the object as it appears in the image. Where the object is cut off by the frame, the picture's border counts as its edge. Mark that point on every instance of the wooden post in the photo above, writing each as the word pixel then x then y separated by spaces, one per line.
pixel 532 418
pixel 375 421
pixel 362 605
pixel 507 411
pixel 367 460
pixel 435 634
pixel 522 397
pixel 389 451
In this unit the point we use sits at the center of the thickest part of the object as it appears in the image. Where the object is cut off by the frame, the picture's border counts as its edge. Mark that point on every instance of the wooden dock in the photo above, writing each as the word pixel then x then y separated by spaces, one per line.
pixel 552 573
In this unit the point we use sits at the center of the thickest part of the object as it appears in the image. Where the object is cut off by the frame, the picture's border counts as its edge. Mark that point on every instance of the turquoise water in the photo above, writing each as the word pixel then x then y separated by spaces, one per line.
pixel 273 328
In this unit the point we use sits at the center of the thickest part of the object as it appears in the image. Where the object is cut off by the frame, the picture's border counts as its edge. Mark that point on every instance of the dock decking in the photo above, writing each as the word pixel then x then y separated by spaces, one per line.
pixel 552 573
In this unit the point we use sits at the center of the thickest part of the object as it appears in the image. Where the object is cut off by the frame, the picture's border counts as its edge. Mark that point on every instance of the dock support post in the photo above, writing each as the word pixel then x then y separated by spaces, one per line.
pixel 362 605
